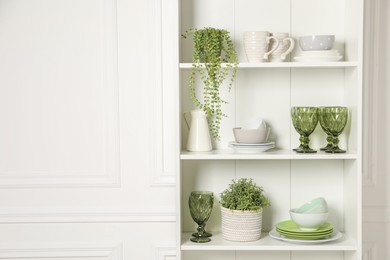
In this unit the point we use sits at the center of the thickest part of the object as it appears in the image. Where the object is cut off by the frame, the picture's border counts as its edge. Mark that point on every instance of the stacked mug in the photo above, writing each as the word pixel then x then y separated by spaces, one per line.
pixel 262 46
pixel 256 45
pixel 284 46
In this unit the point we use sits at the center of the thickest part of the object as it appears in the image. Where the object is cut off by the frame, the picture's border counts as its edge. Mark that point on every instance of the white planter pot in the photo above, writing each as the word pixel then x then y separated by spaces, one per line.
pixel 240 225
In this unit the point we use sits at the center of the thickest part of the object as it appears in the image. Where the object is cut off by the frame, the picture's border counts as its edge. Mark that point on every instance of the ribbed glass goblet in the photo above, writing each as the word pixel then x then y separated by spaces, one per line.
pixel 334 120
pixel 329 137
pixel 305 120
pixel 201 204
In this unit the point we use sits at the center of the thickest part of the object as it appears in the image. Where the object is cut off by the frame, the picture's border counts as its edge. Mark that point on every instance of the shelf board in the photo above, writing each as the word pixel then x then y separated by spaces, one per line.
pixel 265 65
pixel 273 154
pixel 265 243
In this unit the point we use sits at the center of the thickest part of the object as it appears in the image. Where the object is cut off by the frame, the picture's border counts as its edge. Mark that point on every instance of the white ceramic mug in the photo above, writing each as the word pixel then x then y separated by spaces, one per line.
pixel 257 45
pixel 285 45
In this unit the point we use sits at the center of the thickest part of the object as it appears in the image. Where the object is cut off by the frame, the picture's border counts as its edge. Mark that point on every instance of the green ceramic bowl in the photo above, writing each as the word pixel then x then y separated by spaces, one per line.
pixel 317 205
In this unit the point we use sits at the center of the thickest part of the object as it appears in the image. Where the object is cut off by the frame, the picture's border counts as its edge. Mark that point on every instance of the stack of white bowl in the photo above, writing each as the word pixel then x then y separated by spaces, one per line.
pixel 253 139
pixel 256 45
pixel 310 215
pixel 317 48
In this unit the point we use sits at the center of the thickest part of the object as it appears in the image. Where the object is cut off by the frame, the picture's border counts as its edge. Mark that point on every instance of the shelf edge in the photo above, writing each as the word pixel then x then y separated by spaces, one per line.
pixel 229 154
pixel 265 243
pixel 265 65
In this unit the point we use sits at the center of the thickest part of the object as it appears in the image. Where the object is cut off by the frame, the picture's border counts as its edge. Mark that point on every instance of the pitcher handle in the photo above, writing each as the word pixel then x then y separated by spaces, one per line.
pixel 292 44
pixel 268 39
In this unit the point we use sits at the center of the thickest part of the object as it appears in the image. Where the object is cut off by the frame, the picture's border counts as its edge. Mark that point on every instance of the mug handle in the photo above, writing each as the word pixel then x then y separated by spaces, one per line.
pixel 292 44
pixel 268 39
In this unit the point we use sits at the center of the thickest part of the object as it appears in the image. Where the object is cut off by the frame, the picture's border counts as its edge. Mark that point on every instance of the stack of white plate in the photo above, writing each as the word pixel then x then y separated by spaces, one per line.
pixel 252 148
pixel 320 55
pixel 289 231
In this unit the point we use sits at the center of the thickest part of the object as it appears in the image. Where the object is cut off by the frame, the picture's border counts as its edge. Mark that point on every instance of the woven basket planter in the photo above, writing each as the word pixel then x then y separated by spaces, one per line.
pixel 242 226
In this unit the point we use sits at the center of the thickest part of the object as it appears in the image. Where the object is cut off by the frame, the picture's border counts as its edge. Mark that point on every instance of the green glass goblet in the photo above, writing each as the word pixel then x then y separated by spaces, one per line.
pixel 201 204
pixel 334 120
pixel 329 137
pixel 305 120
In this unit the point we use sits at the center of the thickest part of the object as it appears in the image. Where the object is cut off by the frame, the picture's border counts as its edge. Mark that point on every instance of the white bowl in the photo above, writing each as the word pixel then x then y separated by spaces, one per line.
pixel 316 42
pixel 251 136
pixel 308 221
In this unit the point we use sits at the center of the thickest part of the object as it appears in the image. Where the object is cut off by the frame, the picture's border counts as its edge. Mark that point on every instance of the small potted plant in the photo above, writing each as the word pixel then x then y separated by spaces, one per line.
pixel 212 47
pixel 242 209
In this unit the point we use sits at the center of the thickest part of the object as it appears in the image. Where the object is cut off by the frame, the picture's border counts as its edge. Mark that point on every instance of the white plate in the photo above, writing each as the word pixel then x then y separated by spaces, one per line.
pixel 258 145
pixel 252 149
pixel 324 52
pixel 307 55
pixel 334 236
pixel 318 58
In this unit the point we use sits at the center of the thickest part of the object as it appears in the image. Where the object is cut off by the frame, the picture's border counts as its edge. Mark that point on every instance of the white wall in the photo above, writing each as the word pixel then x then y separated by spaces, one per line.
pixel 86 158
pixel 376 185
pixel 82 169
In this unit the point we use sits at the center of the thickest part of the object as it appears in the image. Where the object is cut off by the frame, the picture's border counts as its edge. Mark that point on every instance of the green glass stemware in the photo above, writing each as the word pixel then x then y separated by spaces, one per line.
pixel 329 137
pixel 334 120
pixel 201 204
pixel 305 120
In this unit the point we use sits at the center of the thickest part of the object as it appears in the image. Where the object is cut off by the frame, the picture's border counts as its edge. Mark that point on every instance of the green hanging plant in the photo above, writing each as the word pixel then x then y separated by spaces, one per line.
pixel 212 47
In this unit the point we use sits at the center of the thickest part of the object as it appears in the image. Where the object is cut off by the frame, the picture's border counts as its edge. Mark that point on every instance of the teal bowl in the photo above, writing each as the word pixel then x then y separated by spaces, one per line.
pixel 317 205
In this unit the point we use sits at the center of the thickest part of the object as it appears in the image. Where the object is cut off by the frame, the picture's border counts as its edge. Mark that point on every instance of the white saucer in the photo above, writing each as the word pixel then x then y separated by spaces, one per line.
pixel 252 149
pixel 324 52
pixel 258 145
pixel 332 237
pixel 317 58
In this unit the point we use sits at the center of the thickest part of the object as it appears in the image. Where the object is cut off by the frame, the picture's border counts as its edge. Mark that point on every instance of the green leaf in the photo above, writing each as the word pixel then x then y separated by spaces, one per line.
pixel 212 46
pixel 244 194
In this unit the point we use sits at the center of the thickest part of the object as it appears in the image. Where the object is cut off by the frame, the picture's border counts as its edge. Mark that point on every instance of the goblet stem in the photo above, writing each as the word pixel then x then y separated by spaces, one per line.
pixel 329 139
pixel 305 145
pixel 335 148
pixel 200 236
pixel 200 230
pixel 205 233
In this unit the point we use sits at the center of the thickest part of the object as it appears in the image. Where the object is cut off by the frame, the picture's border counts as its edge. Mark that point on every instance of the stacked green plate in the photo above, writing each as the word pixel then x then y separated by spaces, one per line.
pixel 289 229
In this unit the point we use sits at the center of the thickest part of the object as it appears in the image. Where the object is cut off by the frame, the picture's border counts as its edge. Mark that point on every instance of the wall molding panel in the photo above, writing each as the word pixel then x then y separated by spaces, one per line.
pixel 369 251
pixel 75 187
pixel 108 175
pixel 164 251
pixel 371 82
pixel 378 214
pixel 75 216
pixel 106 251
pixel 376 211
pixel 165 39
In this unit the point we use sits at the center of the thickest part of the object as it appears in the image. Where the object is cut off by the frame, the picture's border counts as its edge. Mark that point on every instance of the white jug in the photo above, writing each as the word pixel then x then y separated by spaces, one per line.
pixel 199 135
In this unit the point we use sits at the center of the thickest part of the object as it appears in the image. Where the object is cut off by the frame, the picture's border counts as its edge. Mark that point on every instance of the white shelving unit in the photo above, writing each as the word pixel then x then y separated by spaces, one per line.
pixel 247 65
pixel 273 154
pixel 266 243
pixel 269 90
